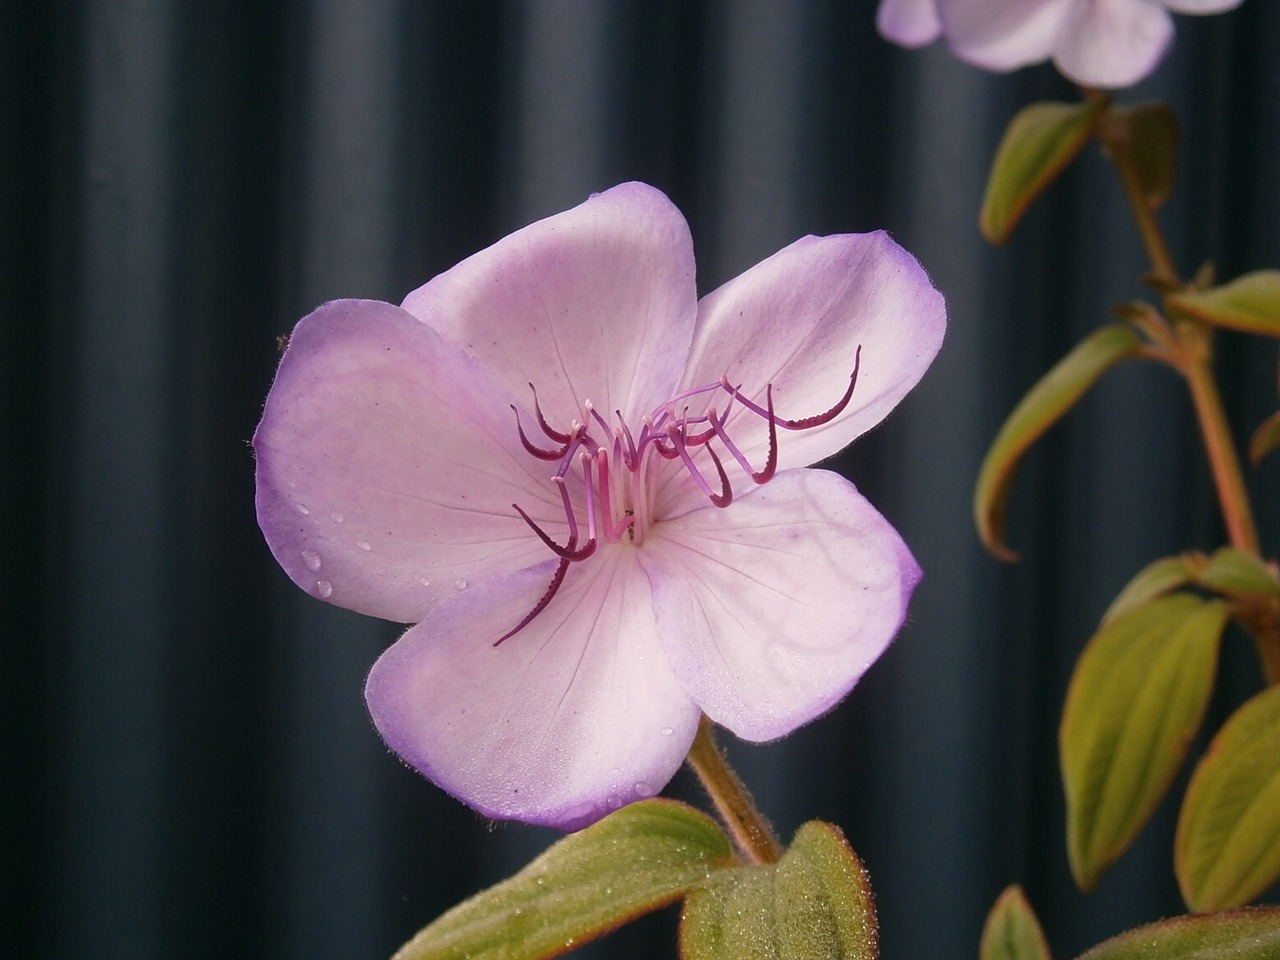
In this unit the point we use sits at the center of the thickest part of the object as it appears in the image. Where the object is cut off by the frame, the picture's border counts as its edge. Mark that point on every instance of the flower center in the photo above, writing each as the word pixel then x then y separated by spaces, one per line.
pixel 616 468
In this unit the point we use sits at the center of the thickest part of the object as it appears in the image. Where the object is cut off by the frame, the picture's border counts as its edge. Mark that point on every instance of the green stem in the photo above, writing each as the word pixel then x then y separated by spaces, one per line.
pixel 1218 444
pixel 750 831
pixel 1230 482
pixel 1192 355
pixel 1268 640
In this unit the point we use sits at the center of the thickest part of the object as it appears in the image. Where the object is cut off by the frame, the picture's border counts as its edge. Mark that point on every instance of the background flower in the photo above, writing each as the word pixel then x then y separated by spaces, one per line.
pixel 912 23
pixel 1096 43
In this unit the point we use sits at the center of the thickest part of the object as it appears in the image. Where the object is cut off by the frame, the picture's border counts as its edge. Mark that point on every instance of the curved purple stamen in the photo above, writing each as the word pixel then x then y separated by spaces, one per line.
pixel 609 503
pixel 804 423
pixel 630 457
pixel 725 497
pixel 538 452
pixel 557 579
pixel 722 499
pixel 555 435
pixel 593 412
pixel 568 551
pixel 771 463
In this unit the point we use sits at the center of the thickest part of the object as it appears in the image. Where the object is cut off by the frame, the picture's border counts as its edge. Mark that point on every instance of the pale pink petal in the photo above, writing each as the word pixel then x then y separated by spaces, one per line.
pixel 1113 43
pixel 387 463
pixel 572 717
pixel 771 610
pixel 1201 6
pixel 596 303
pixel 1003 34
pixel 797 321
pixel 910 23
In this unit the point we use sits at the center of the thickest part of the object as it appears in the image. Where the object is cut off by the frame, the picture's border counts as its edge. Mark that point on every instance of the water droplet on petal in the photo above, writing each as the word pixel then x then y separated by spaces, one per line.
pixel 324 588
pixel 667 731
pixel 311 559
pixel 364 545
pixel 302 509
pixel 336 517
pixel 644 789
pixel 425 582
pixel 577 813
pixel 460 584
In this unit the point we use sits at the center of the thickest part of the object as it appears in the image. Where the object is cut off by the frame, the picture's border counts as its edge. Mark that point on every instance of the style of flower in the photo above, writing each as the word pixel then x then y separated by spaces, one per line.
pixel 1096 43
pixel 583 486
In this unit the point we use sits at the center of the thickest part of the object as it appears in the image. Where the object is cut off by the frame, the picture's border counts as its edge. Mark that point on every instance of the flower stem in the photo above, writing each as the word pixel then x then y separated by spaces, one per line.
pixel 1197 370
pixel 1223 460
pixel 750 831
pixel 1192 355
pixel 1267 639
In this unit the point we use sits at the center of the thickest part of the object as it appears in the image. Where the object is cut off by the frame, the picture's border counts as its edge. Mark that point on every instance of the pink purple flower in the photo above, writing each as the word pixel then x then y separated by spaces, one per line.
pixel 1096 43
pixel 585 487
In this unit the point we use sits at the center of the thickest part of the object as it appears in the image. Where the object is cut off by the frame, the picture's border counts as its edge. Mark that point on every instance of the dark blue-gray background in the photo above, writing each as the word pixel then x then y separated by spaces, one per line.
pixel 187 765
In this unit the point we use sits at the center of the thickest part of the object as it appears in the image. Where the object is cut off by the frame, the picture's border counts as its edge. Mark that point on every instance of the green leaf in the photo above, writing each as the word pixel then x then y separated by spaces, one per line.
pixel 640 858
pixel 1227 849
pixel 1153 580
pixel 1239 935
pixel 814 903
pixel 1152 133
pixel 1265 439
pixel 1250 303
pixel 1136 698
pixel 1238 574
pixel 1042 407
pixel 1037 146
pixel 1012 931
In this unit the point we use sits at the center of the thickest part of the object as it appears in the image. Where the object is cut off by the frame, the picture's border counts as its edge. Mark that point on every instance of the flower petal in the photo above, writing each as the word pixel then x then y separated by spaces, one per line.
pixel 1003 34
pixel 771 610
pixel 572 717
pixel 1113 43
pixel 1201 6
pixel 596 303
pixel 910 23
pixel 387 463
pixel 797 321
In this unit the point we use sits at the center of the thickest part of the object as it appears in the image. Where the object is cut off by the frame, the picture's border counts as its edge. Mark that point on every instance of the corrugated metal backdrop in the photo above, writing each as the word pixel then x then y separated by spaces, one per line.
pixel 188 769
